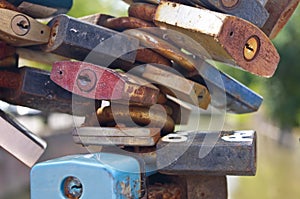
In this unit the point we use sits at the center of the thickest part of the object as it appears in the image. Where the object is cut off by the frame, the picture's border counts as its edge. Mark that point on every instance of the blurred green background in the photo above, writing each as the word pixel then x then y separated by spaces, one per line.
pixel 277 122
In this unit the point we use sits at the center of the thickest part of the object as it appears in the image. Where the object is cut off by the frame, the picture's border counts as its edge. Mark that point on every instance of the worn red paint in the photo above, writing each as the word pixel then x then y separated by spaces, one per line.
pixel 109 84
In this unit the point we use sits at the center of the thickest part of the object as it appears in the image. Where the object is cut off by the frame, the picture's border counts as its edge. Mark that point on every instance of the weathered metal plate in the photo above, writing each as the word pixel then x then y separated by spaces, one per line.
pixel 96 82
pixel 79 40
pixel 225 153
pixel 116 136
pixel 115 132
pixel 19 141
pixel 33 88
pixel 113 141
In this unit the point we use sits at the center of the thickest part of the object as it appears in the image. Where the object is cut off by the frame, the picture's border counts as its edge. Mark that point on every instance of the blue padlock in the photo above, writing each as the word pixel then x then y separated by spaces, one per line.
pixel 92 176
pixel 43 8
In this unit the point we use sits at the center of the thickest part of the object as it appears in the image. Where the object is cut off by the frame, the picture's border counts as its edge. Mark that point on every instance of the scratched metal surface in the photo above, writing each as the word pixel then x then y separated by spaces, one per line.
pixel 232 153
pixel 83 41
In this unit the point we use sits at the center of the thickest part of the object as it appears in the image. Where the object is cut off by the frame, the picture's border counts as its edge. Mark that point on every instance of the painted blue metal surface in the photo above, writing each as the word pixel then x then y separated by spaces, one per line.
pixel 43 8
pixel 102 175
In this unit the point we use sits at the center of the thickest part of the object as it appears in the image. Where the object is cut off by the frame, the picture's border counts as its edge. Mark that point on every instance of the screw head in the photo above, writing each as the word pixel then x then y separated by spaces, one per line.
pixel 86 80
pixel 72 188
pixel 229 3
pixel 251 48
pixel 20 25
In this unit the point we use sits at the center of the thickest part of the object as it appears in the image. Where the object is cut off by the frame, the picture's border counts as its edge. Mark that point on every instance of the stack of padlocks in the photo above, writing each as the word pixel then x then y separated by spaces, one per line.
pixel 153 68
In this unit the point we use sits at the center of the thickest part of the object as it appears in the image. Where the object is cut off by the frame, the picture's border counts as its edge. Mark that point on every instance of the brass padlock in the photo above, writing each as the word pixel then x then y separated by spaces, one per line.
pixel 175 85
pixel 21 30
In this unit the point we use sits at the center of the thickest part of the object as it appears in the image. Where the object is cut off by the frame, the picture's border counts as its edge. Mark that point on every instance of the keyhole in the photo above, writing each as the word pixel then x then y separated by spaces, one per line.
pixel 23 24
pixel 84 80
pixel 251 48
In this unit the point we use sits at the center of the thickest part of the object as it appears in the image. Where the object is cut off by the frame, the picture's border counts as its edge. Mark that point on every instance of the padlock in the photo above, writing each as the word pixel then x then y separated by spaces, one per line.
pixel 280 13
pixel 19 141
pixel 226 38
pixel 79 40
pixel 42 8
pixel 19 29
pixel 175 84
pixel 208 153
pixel 103 136
pixel 33 88
pixel 89 176
pixel 136 116
pixel 95 82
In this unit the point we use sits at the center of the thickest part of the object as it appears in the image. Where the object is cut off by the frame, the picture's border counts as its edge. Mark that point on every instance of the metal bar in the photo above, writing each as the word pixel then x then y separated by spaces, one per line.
pixel 19 141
